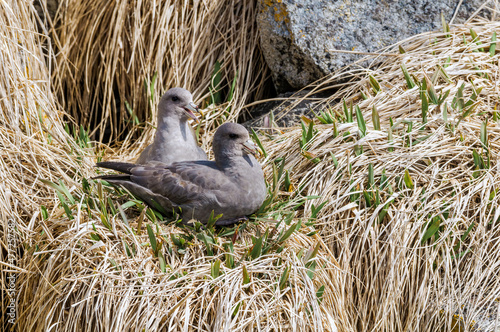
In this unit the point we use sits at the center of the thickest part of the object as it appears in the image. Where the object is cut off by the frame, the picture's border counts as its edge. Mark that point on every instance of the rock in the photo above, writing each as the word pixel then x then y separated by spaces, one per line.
pixel 286 112
pixel 485 318
pixel 46 9
pixel 296 35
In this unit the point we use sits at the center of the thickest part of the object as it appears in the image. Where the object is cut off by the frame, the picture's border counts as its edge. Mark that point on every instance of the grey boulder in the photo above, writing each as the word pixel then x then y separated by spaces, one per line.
pixel 296 35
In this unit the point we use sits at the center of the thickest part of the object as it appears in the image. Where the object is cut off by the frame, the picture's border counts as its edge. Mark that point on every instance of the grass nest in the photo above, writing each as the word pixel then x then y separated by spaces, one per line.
pixel 382 212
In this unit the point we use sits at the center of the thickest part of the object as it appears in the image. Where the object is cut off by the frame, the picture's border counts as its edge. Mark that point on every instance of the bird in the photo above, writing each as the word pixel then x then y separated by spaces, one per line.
pixel 174 139
pixel 233 185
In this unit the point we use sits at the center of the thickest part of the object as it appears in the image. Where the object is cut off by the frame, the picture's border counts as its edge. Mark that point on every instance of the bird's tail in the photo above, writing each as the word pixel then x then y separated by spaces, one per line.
pixel 111 178
pixel 117 166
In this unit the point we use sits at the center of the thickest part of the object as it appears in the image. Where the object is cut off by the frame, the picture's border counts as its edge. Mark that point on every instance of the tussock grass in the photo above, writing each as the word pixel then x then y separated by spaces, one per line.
pixel 404 236
pixel 104 288
pixel 33 142
pixel 412 208
pixel 86 260
pixel 131 52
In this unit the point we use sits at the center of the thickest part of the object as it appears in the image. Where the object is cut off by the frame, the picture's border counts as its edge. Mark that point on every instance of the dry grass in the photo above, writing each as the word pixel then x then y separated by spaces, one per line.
pixel 396 282
pixel 97 286
pixel 84 265
pixel 74 272
pixel 33 142
pixel 110 53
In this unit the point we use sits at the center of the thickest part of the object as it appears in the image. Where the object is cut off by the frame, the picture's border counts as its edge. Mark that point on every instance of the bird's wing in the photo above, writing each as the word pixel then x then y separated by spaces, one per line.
pixel 159 202
pixel 183 182
pixel 117 166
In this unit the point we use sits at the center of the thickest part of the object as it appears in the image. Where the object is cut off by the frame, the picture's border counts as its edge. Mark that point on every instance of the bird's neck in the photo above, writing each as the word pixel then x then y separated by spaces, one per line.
pixel 235 162
pixel 172 127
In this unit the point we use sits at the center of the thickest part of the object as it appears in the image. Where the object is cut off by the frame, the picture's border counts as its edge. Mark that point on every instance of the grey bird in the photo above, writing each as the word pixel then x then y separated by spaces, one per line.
pixel 174 139
pixel 233 185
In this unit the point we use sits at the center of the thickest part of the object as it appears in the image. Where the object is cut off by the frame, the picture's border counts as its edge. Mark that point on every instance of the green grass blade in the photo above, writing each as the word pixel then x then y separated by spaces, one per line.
pixel 152 86
pixel 446 27
pixel 432 93
pixel 445 113
pixel 319 293
pixel 374 83
pixel 152 239
pixel 45 214
pixel 478 161
pixel 259 143
pixel 425 107
pixel 484 135
pixel 257 248
pixel 233 88
pixel 389 139
pixel 375 118
pixel 315 210
pixel 368 198
pixel 229 255
pixel 383 180
pixel 493 44
pixel 432 229
pixel 310 132
pixel 346 110
pixel 246 275
pixel 408 181
pixel 215 269
pixel 284 278
pixel 311 253
pixel 361 121
pixel 447 62
pixel 409 81
pixel 215 93
pixel 334 160
pixel 161 259
pixel 475 39
pixel 463 237
pixel 288 233
pixel 458 101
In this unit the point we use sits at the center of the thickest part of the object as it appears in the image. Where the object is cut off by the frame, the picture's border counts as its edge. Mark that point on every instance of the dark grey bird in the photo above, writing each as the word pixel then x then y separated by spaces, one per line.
pixel 233 185
pixel 174 139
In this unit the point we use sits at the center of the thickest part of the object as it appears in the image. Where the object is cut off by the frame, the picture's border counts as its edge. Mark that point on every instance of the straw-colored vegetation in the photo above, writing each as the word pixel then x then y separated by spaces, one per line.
pixel 405 233
pixel 116 59
pixel 407 164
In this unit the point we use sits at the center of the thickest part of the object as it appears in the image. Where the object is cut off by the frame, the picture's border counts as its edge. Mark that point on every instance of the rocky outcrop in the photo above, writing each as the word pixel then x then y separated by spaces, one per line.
pixel 287 110
pixel 296 36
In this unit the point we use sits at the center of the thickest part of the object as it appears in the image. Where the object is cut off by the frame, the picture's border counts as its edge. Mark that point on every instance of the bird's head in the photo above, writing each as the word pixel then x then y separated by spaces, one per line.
pixel 178 102
pixel 232 140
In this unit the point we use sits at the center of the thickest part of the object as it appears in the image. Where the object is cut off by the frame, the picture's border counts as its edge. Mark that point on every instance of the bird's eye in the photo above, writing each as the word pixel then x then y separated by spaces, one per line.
pixel 175 98
pixel 233 136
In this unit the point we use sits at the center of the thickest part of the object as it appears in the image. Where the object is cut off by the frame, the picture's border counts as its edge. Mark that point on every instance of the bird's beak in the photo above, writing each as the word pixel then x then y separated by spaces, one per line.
pixel 190 109
pixel 250 148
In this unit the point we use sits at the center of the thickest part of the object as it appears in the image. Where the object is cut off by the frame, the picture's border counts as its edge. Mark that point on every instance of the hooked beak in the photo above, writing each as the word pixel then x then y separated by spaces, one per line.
pixel 190 109
pixel 250 148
